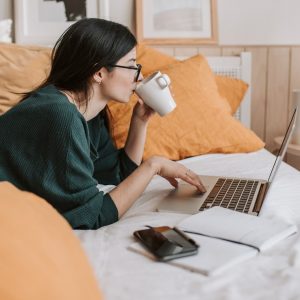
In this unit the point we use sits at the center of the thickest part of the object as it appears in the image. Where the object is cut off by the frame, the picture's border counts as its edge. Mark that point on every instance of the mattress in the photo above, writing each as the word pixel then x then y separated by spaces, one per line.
pixel 274 274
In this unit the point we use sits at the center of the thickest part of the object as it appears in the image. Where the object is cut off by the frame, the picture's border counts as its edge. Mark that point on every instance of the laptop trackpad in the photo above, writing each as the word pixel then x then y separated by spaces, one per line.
pixel 185 192
pixel 184 199
pixel 187 198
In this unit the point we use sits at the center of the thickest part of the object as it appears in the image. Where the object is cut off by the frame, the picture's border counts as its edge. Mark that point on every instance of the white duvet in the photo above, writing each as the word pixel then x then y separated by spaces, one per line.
pixel 275 274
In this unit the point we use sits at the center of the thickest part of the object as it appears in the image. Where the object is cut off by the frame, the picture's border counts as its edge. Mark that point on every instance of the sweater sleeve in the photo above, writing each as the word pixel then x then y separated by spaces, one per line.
pixel 91 209
pixel 112 165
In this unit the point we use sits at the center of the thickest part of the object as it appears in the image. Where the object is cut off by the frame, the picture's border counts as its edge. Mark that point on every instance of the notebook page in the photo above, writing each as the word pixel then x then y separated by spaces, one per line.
pixel 235 226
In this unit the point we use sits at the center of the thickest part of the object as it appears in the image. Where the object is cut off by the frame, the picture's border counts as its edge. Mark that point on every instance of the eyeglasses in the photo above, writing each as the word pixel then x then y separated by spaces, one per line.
pixel 138 69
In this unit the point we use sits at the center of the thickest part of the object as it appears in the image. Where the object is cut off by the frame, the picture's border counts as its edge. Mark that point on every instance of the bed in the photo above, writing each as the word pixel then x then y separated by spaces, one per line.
pixel 275 274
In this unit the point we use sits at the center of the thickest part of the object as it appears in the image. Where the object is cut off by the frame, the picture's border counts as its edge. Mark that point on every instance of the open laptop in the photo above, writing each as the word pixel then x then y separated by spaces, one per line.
pixel 240 194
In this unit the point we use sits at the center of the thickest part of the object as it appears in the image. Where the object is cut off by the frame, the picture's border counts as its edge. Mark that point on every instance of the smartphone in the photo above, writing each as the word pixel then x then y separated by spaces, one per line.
pixel 167 243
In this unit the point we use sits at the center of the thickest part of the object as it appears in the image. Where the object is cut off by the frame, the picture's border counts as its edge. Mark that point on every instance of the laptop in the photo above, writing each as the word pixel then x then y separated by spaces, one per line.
pixel 240 194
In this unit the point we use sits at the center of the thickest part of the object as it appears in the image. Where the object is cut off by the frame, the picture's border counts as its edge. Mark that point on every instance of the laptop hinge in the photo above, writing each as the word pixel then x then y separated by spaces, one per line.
pixel 261 196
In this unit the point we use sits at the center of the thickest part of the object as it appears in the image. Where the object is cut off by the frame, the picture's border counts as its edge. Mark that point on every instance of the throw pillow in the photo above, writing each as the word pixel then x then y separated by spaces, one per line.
pixel 233 90
pixel 22 68
pixel 151 59
pixel 41 258
pixel 201 122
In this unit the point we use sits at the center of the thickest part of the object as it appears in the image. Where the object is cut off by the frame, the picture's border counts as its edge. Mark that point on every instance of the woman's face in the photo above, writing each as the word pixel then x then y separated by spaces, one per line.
pixel 119 84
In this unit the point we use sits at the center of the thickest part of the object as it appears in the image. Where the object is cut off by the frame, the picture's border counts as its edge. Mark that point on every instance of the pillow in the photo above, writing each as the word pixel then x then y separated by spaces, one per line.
pixel 41 258
pixel 201 122
pixel 233 90
pixel 22 68
pixel 151 59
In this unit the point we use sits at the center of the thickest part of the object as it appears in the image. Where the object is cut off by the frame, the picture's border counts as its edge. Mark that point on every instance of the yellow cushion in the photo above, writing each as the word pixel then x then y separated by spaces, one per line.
pixel 201 122
pixel 22 68
pixel 151 59
pixel 233 90
pixel 40 256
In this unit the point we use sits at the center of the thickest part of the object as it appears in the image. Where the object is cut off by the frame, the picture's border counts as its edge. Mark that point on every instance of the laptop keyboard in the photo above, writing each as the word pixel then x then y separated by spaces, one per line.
pixel 234 194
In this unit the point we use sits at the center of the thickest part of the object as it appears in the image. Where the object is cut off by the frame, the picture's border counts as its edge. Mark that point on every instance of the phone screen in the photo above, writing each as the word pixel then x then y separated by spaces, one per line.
pixel 167 243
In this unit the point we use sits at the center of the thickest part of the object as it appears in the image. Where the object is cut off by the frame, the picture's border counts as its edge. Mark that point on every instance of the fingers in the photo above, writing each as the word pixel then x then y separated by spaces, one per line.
pixel 173 181
pixel 140 101
pixel 194 179
pixel 171 170
pixel 147 108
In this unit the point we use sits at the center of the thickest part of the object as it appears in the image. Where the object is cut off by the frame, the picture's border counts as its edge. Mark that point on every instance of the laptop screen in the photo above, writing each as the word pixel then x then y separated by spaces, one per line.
pixel 283 146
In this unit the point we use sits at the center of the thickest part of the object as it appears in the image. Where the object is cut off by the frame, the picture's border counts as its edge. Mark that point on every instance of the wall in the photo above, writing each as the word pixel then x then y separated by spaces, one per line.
pixel 269 29
pixel 259 22
pixel 267 22
pixel 6 9
pixel 124 14
pixel 241 22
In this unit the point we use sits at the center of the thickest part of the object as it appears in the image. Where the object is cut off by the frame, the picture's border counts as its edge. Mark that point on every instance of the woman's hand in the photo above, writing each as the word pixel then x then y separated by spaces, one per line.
pixel 134 185
pixel 142 111
pixel 171 170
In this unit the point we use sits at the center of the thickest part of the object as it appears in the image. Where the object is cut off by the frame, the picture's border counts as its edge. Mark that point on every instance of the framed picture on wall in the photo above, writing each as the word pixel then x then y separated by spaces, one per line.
pixel 176 21
pixel 41 22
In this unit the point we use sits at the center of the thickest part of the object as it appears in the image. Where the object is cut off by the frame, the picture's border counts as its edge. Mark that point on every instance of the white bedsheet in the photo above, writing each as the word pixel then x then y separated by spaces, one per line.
pixel 275 274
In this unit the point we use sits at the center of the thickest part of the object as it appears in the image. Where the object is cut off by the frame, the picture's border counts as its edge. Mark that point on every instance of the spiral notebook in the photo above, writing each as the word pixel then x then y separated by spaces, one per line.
pixel 226 238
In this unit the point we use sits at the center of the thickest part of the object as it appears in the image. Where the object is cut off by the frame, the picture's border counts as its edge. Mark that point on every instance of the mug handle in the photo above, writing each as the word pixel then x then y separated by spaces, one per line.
pixel 163 81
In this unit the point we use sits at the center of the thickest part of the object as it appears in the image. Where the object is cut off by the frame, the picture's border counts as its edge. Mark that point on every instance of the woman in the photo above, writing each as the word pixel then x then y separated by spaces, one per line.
pixel 56 142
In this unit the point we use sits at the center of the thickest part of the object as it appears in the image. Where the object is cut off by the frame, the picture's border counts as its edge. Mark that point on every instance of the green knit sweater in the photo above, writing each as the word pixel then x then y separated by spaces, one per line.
pixel 47 147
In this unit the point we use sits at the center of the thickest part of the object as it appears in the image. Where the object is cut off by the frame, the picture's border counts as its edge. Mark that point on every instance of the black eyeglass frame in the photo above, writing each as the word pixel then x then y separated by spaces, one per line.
pixel 138 68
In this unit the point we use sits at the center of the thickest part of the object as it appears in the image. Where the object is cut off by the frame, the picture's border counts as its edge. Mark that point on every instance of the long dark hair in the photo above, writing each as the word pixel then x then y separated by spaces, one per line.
pixel 85 47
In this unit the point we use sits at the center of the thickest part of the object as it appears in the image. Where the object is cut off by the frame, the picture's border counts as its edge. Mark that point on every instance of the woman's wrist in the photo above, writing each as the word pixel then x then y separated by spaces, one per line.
pixel 136 120
pixel 153 163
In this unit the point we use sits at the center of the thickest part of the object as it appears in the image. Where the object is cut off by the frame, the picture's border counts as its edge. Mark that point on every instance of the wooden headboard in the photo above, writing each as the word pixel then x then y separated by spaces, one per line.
pixel 236 67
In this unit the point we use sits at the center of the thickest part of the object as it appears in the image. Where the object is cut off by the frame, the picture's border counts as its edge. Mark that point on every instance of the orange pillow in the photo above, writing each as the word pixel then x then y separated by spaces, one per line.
pixel 233 90
pixel 201 122
pixel 22 68
pixel 151 59
pixel 41 258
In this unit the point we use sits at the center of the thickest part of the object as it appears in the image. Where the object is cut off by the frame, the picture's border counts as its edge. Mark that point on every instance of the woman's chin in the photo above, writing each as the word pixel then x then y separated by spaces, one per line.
pixel 123 100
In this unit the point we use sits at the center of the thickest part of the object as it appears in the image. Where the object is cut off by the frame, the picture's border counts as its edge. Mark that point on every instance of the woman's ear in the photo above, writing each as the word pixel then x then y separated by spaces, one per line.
pixel 100 75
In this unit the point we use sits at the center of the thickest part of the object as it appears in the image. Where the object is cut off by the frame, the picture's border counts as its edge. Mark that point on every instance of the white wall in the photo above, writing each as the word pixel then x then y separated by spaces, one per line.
pixel 6 9
pixel 240 22
pixel 122 11
pixel 259 22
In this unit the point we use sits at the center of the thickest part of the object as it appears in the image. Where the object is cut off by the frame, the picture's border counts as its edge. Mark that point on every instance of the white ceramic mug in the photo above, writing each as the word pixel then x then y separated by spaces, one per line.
pixel 154 91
